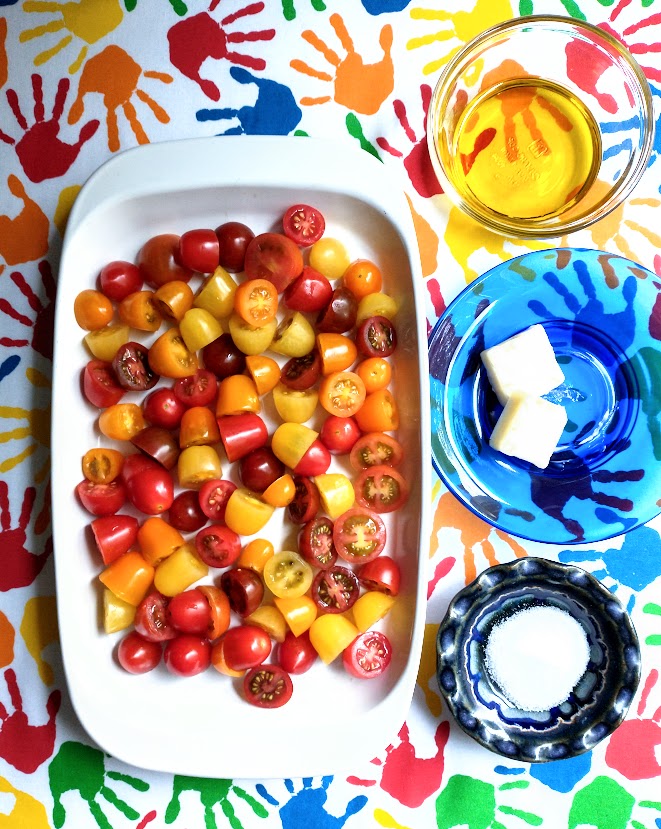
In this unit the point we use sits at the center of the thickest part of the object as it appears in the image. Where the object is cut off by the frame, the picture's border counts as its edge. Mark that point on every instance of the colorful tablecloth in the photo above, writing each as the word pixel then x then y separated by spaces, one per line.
pixel 82 80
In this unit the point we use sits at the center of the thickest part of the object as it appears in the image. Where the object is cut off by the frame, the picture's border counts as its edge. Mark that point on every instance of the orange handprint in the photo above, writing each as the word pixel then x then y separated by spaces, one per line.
pixel 24 237
pixel 115 75
pixel 359 86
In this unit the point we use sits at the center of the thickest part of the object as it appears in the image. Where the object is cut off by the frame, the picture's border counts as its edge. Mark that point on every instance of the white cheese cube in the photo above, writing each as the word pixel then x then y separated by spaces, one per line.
pixel 529 428
pixel 523 364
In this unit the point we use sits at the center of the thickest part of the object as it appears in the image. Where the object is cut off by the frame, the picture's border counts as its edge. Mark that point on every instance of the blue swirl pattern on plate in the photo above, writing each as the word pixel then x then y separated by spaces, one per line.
pixel 598 703
pixel 602 315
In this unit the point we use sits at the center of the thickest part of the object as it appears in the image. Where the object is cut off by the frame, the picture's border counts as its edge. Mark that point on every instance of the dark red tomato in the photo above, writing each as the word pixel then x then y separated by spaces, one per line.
pixel 296 654
pixel 100 384
pixel 339 315
pixel 267 686
pixel 241 434
pixel 335 590
pixel 315 542
pixel 233 239
pixel 163 408
pixel 197 389
pixel 199 250
pixel 187 655
pixel 185 513
pixel 213 497
pixel 151 618
pixel 137 655
pixel 303 224
pixel 158 443
pixel 309 292
pixel 359 535
pixel 114 535
pixel 217 545
pixel 189 612
pixel 306 500
pixel 158 261
pixel 102 499
pixel 339 434
pixel 300 373
pixel 274 257
pixel 368 656
pixel 118 279
pixel 381 488
pixel 376 449
pixel 223 358
pixel 382 573
pixel 151 490
pixel 132 369
pixel 315 461
pixel 260 468
pixel 246 646
pixel 376 337
pixel 244 589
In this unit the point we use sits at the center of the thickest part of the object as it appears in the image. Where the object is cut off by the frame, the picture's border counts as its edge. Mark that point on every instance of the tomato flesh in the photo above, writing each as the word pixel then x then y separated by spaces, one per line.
pixel 368 656
pixel 267 686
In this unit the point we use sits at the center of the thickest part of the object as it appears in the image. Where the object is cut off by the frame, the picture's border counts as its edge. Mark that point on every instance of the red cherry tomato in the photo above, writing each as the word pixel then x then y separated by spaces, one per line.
pixel 158 443
pixel 309 292
pixel 185 513
pixel 315 461
pixel 267 686
pixel 233 239
pixel 376 337
pixel 151 490
pixel 368 656
pixel 241 433
pixel 199 250
pixel 306 500
pixel 359 535
pixel 246 646
pixel 315 542
pixel 213 497
pixel 163 408
pixel 114 535
pixel 189 612
pixel 335 590
pixel 223 357
pixel 102 499
pixel 244 589
pixel 376 449
pixel 381 488
pixel 381 573
pixel 303 224
pixel 300 373
pixel 197 389
pixel 217 545
pixel 118 279
pixel 137 655
pixel 100 385
pixel 187 655
pixel 339 314
pixel 296 654
pixel 151 618
pixel 158 261
pixel 274 257
pixel 260 468
pixel 339 434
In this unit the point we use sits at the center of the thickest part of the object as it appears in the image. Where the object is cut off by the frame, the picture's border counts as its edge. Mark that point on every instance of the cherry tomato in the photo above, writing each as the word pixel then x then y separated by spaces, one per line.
pixel 330 634
pixel 151 490
pixel 237 394
pixel 199 250
pixel 213 497
pixel 315 542
pixel 223 357
pixel 216 295
pixel 246 646
pixel 281 492
pixel 301 372
pixel 197 389
pixel 376 449
pixel 267 686
pixel 217 545
pixel 219 609
pixel 121 421
pixel 163 408
pixel 363 277
pixel 337 352
pixel 233 239
pixel 104 343
pixel 275 257
pixel 336 492
pixel 241 433
pixel 295 406
pixel 370 608
pixel 185 513
pixel 287 574
pixel 170 357
pixel 179 570
pixel 294 336
pixel 359 535
pixel 189 612
pixel 137 655
pixel 296 654
pixel 303 224
pixel 102 465
pixel 270 619
pixel 368 656
pixel 129 577
pixel 339 315
pixel 100 385
pixel 376 305
pixel 379 412
pixel 256 301
pixel 246 513
pixel 141 310
pixel 132 368
pixel 197 465
pixel 157 261
pixel 187 655
pixel 158 443
pixel 198 328
pixel 134 463
pixel 381 488
pixel 339 434
pixel 174 299
pixel 330 257
pixel 151 618
pixel 259 469
pixel 306 502
pixel 251 339
pixel 101 499
pixel 309 292
pixel 114 535
pixel 92 309
pixel 244 589
pixel 299 612
pixel 342 393
pixel 381 573
pixel 158 539
pixel 255 554
pixel 376 337
pixel 375 372
pixel 198 428
pixel 118 279
pixel 265 372
pixel 336 589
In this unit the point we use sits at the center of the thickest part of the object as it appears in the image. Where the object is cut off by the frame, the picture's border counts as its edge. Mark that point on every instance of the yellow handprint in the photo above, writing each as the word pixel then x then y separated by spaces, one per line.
pixel 26 810
pixel 39 630
pixel 359 86
pixel 36 431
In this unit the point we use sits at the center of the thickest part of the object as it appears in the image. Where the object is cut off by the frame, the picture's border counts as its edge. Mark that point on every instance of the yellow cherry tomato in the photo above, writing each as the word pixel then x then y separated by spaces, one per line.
pixel 92 309
pixel 117 614
pixel 270 619
pixel 129 577
pixel 281 492
pixel 370 608
pixel 299 612
pixel 291 441
pixel 179 570
pixel 198 328
pixel 255 554
pixel 294 336
pixel 264 371
pixel 173 299
pixel 376 305
pixel 336 491
pixel 246 513
pixel 122 421
pixel 237 393
pixel 294 405
pixel 330 257
pixel 169 355
pixel 198 464
pixel 287 574
pixel 217 294
pixel 251 339
pixel 375 372
pixel 103 344
pixel 330 634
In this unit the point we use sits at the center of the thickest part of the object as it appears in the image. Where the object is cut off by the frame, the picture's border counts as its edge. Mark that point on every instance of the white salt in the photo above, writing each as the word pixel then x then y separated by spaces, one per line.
pixel 536 656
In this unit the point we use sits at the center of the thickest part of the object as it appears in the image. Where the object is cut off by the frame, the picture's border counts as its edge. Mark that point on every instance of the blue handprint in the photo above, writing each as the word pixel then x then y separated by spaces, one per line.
pixel 561 775
pixel 306 807
pixel 383 6
pixel 275 112
pixel 8 365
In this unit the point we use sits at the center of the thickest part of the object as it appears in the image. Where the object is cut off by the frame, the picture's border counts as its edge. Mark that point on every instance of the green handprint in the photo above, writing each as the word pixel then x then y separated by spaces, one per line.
pixel 211 792
pixel 289 9
pixel 604 804
pixel 81 768
pixel 653 610
pixel 466 801
pixel 178 6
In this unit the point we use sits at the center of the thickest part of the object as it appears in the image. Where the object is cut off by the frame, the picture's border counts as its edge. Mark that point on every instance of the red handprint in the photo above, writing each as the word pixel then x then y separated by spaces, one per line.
pixel 42 153
pixel 44 314
pixel 20 567
pixel 22 745
pixel 3 51
pixel 632 749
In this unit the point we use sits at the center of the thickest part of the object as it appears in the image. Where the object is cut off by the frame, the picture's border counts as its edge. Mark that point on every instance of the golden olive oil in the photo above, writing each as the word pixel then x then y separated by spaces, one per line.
pixel 526 149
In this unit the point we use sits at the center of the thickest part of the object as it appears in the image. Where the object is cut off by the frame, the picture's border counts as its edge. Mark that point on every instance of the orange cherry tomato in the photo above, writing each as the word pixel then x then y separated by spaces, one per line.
pixel 122 421
pixel 379 412
pixel 198 427
pixel 220 663
pixel 92 310
pixel 363 277
pixel 169 356
pixel 256 301
pixel 264 371
pixel 375 372
pixel 337 351
pixel 237 393
pixel 281 492
pixel 102 465
pixel 342 393
pixel 299 612
pixel 173 299
pixel 219 605
pixel 129 577
pixel 157 539
pixel 140 310
pixel 255 554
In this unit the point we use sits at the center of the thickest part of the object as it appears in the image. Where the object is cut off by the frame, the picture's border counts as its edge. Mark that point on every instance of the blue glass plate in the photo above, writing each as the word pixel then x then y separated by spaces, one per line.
pixel 602 314
pixel 602 696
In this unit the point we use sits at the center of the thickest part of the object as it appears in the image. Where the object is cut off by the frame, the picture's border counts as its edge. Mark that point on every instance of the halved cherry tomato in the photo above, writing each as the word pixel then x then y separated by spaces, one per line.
pixel 241 433
pixel 118 279
pixel 251 339
pixel 198 328
pixel 100 385
pixel 114 535
pixel 368 656
pixel 185 513
pixel 376 449
pixel 213 497
pixel 132 368
pixel 174 299
pixel 121 421
pixel 237 393
pixel 233 239
pixel 275 257
pixel 179 571
pixel 102 465
pixel 342 393
pixel 256 301
pixel 330 634
pixel 306 502
pixel 259 469
pixel 359 535
pixel 163 408
pixel 151 490
pixel 255 554
pixel 376 305
pixel 269 618
pixel 267 686
pixel 375 372
pixel 169 356
pixel 336 492
pixel 198 427
pixel 157 260
pixel 158 539
pixel 197 389
pixel 287 574
pixel 187 655
pixel 264 371
pixel 339 434
pixel 102 499
pixel 379 412
pixel 117 614
pixel 339 315
pixel 197 465
pixel 381 488
pixel 301 373
pixel 296 654
pixel 281 492
pixel 244 588
pixel 291 441
pixel 151 619
pixel 299 612
pixel 309 292
pixel 223 357
pixel 337 352
pixel 189 612
pixel 294 336
pixel 216 295
pixel 137 655
pixel 218 659
pixel 315 542
pixel 370 608
pixel 376 337
pixel 303 224
pixel 141 310
pixel 363 277
pixel 246 513
pixel 219 608
pixel 382 573
pixel 157 443
pixel 104 343
pixel 218 546
pixel 92 309
pixel 335 589
pixel 129 577
pixel 295 406
pixel 199 250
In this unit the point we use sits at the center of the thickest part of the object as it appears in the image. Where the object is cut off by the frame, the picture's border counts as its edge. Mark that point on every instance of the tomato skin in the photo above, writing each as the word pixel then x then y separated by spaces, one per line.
pixel 274 257
pixel 219 610
pixel 339 434
pixel 100 385
pixel 129 577
pixel 359 535
pixel 157 261
pixel 151 618
pixel 187 655
pixel 199 250
pixel 259 469
pixel 336 589
pixel 379 412
pixel 244 589
pixel 363 277
pixel 339 315
pixel 296 654
pixel 137 655
pixel 118 279
pixel 159 444
pixel 158 539
pixel 338 352
pixel 233 239
pixel 217 545
pixel 213 497
pixel 381 488
pixel 92 309
pixel 382 573
pixel 303 224
pixel 197 389
pixel 173 299
pixel 267 686
pixel 246 646
pixel 163 408
pixel 375 372
pixel 309 292
pixel 151 490
pixel 185 513
pixel 102 499
pixel 223 357
pixel 368 656
pixel 189 612
pixel 114 535
pixel 241 433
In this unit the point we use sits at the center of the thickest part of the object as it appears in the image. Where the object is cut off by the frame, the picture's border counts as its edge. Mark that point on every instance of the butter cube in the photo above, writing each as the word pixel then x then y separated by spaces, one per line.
pixel 523 364
pixel 529 428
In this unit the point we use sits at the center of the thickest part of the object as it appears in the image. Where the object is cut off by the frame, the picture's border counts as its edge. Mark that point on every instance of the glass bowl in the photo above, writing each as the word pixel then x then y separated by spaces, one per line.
pixel 540 126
